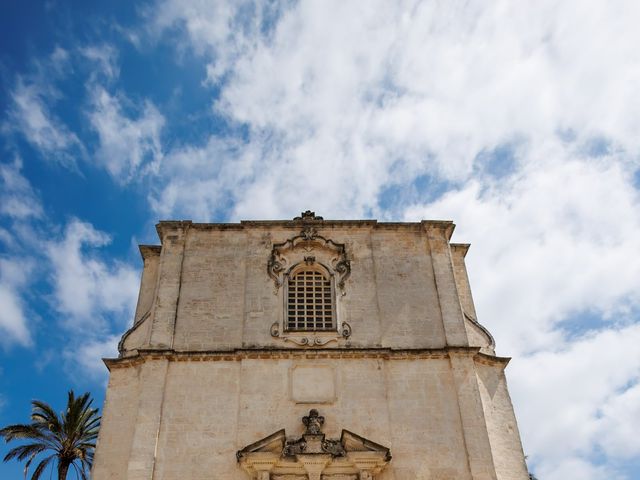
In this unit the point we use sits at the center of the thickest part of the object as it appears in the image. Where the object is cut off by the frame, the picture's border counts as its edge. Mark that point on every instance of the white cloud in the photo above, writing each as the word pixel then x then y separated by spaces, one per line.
pixel 87 357
pixel 225 163
pixel 620 415
pixel 19 207
pixel 573 401
pixel 57 64
pixel 17 198
pixel 19 204
pixel 128 146
pixel 30 114
pixel 88 291
pixel 93 297
pixel 573 467
pixel 105 57
pixel 346 98
pixel 221 30
pixel 6 238
pixel 14 275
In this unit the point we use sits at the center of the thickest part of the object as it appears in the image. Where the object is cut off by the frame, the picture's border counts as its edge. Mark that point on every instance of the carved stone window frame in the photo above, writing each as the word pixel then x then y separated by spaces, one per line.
pixel 306 241
pixel 309 249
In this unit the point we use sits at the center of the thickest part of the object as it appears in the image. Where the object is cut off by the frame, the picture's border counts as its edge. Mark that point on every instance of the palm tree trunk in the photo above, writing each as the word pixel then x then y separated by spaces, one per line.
pixel 63 467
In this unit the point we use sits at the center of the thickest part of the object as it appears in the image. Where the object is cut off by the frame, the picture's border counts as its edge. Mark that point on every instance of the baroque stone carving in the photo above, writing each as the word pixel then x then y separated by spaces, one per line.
pixel 346 330
pixel 313 422
pixel 313 440
pixel 307 241
pixel 308 233
pixel 312 250
pixel 334 447
pixel 311 341
pixel 294 447
pixel 275 329
pixel 308 216
pixel 313 455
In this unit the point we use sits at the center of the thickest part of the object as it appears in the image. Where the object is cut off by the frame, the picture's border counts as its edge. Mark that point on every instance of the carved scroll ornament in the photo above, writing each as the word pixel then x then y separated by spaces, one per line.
pixel 308 341
pixel 299 248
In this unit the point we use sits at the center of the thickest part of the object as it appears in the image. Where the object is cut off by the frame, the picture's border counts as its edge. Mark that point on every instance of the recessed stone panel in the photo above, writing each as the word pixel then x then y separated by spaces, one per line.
pixel 313 384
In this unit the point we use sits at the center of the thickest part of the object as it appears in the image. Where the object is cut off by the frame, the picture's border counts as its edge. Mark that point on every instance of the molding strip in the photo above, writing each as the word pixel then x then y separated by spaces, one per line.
pixel 142 355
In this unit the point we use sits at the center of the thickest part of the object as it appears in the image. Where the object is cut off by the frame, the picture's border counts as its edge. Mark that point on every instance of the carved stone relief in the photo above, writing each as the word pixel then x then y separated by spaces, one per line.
pixel 308 216
pixel 318 340
pixel 309 248
pixel 312 456
pixel 301 248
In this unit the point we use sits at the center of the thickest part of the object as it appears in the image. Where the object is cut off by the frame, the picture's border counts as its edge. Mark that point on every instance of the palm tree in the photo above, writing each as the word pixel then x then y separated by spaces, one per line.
pixel 70 437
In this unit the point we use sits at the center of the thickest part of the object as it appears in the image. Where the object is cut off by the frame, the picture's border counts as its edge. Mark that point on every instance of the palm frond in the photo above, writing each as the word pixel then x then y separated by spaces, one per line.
pixel 28 464
pixel 22 431
pixel 43 413
pixel 41 466
pixel 24 451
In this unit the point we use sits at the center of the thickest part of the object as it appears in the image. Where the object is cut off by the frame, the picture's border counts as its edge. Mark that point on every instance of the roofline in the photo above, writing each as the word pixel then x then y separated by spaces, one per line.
pixel 463 247
pixel 166 225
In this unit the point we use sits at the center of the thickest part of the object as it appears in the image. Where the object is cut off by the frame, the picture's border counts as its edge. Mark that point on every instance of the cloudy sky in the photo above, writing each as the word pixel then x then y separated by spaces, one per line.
pixel 520 121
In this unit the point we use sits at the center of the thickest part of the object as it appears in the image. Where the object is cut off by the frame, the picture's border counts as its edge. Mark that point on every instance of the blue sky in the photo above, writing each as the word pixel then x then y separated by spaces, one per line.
pixel 520 122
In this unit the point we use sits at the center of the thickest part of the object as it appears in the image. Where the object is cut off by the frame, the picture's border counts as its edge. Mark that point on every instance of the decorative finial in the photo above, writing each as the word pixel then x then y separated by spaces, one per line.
pixel 309 216
pixel 313 422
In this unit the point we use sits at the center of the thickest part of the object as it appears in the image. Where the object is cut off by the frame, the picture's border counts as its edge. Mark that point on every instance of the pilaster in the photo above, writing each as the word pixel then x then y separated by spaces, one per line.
pixel 173 237
pixel 472 416
pixel 438 234
pixel 458 252
pixel 151 258
pixel 153 376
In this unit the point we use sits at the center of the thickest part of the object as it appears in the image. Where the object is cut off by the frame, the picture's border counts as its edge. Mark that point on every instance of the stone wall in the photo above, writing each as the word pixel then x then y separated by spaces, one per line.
pixel 212 290
pixel 208 367
pixel 193 414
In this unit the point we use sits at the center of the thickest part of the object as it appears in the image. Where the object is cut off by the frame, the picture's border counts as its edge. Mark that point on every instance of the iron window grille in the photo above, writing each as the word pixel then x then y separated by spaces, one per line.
pixel 310 301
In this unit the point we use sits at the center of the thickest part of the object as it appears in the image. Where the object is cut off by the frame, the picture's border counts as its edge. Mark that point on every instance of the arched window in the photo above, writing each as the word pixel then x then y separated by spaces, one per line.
pixel 310 301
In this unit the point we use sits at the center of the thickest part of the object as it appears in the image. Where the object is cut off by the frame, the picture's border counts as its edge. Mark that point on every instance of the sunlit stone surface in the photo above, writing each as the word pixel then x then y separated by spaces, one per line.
pixel 211 384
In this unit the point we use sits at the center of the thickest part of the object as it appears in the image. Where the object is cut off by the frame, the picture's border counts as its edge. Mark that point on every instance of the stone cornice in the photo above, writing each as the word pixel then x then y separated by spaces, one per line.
pixel 141 355
pixel 445 225
pixel 147 251
pixel 463 247
pixel 170 225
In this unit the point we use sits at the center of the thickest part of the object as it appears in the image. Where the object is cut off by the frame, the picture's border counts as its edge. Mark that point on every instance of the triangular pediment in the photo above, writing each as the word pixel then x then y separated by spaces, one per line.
pixel 355 443
pixel 274 443
pixel 312 456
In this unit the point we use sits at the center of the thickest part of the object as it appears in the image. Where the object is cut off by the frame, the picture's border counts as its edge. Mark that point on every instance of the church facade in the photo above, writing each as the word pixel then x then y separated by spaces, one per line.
pixel 307 349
